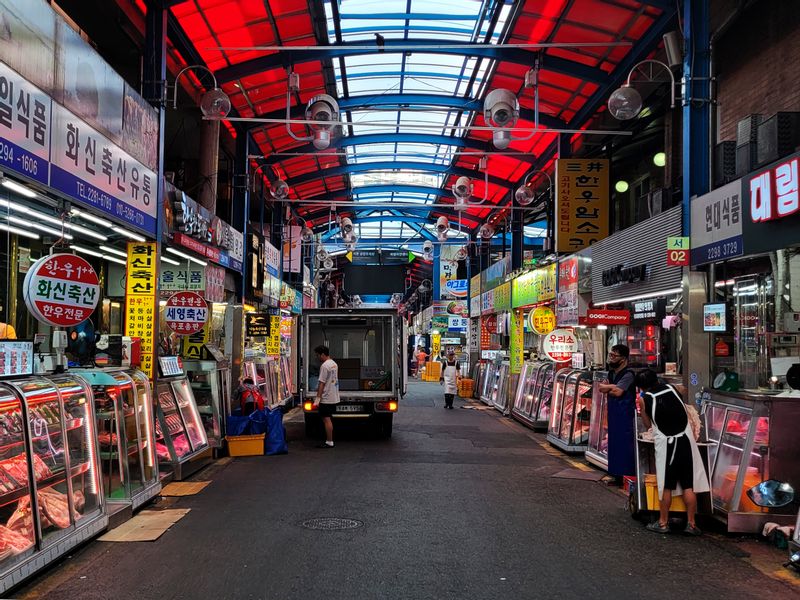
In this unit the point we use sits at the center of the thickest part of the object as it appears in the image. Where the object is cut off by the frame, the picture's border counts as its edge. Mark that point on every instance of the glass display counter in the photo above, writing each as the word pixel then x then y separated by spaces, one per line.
pixel 181 442
pixel 51 498
pixel 597 450
pixel 568 429
pixel 532 398
pixel 752 438
pixel 499 392
pixel 210 381
pixel 266 374
pixel 123 403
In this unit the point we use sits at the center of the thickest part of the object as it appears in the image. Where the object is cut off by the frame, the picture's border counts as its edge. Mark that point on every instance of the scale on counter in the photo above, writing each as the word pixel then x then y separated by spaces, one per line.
pixel 170 366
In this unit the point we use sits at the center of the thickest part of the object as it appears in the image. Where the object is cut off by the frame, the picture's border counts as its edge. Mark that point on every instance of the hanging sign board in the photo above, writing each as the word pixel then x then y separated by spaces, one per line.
pixel 582 216
pixel 140 299
pixel 61 290
pixel 560 345
pixel 273 345
pixel 186 313
pixel 542 320
pixel 678 251
pixel 183 279
pixel 256 324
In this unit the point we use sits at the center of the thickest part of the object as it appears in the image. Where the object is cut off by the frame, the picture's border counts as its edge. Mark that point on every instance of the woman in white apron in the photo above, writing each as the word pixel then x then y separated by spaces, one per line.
pixel 449 378
pixel 679 466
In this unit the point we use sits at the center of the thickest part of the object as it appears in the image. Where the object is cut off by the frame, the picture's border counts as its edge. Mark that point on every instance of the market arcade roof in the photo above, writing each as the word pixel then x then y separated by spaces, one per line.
pixel 405 111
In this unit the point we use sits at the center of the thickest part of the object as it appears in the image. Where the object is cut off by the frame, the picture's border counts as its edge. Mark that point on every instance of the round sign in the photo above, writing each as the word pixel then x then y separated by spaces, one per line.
pixel 560 345
pixel 186 313
pixel 542 320
pixel 61 290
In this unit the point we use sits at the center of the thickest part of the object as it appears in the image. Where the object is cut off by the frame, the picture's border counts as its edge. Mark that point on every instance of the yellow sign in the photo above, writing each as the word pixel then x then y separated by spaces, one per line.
pixel 582 199
pixel 140 300
pixel 542 320
pixel 517 342
pixel 192 345
pixel 436 344
pixel 349 256
pixel 475 286
pixel 274 339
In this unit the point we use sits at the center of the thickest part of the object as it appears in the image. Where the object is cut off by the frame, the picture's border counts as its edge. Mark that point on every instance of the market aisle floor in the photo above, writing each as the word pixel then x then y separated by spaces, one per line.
pixel 459 504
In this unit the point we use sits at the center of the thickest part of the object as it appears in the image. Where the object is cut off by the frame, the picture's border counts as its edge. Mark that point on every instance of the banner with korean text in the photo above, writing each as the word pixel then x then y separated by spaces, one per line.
pixel 140 299
pixel 582 198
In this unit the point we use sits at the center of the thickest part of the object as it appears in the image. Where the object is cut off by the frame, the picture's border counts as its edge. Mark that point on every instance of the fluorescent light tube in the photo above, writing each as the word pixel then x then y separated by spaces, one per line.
pixel 129 234
pixel 39 226
pixel 18 231
pixel 86 251
pixel 20 189
pixel 116 251
pixel 170 261
pixel 91 218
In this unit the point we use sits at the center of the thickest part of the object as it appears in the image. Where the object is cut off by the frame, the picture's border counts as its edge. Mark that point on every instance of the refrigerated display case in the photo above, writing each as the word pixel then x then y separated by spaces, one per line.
pixel 47 430
pixel 181 442
pixel 489 379
pixel 753 437
pixel 210 381
pixel 597 450
pixel 532 398
pixel 285 383
pixel 266 374
pixel 499 392
pixel 123 403
pixel 568 429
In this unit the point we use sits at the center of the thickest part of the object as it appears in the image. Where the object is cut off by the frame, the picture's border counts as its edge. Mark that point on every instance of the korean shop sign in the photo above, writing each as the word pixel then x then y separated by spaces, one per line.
pixel 140 299
pixel 717 224
pixel 24 126
pixel 61 290
pixel 560 345
pixel 186 313
pixel 621 274
pixel 502 298
pixel 582 201
pixel 183 279
pixel 678 251
pixel 92 170
pixel 542 320
pixel 772 207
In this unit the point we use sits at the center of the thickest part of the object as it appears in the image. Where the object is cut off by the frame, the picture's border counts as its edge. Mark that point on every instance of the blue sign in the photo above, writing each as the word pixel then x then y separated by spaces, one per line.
pixel 716 221
pixel 720 250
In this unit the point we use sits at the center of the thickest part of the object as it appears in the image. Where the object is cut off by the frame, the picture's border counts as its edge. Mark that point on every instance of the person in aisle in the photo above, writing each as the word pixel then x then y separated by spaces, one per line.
pixel 422 356
pixel 327 392
pixel 248 397
pixel 451 373
pixel 679 466
pixel 621 405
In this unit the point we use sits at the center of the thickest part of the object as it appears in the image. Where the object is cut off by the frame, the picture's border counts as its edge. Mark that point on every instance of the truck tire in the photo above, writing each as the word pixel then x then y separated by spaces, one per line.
pixel 313 427
pixel 385 426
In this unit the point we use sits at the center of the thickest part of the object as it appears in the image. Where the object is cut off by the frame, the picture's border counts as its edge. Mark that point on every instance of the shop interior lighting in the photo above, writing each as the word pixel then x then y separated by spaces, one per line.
pixel 86 251
pixel 53 220
pixel 671 292
pixel 17 231
pixel 39 226
pixel 660 159
pixel 91 218
pixel 170 261
pixel 186 256
pixel 20 189
pixel 116 251
pixel 621 186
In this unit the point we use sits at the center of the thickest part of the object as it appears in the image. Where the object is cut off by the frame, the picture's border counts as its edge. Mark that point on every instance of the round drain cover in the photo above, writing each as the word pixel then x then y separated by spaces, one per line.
pixel 331 524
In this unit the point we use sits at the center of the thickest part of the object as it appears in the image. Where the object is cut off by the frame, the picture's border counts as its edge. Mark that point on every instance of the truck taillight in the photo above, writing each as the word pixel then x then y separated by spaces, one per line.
pixel 308 406
pixel 393 406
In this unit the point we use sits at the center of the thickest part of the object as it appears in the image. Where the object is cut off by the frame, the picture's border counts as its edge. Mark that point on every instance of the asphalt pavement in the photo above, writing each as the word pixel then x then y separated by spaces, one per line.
pixel 457 504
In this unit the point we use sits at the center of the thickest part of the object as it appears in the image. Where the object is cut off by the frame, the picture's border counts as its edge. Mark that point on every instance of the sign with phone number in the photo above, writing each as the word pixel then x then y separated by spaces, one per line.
pixel 717 225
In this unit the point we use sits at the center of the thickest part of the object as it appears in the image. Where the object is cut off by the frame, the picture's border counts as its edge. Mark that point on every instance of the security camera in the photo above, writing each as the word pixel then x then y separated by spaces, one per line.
pixel 346 225
pixel 501 108
pixel 486 231
pixel 307 235
pixel 524 195
pixel 327 264
pixel 442 226
pixel 427 247
pixel 462 190
pixel 322 254
pixel 279 189
pixel 462 253
pixel 322 108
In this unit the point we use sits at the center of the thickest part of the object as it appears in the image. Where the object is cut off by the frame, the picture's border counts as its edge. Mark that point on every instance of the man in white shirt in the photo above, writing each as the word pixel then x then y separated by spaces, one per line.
pixel 327 392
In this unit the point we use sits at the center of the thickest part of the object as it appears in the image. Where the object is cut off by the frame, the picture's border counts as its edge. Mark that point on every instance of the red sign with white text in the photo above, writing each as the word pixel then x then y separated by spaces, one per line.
pixel 61 290
pixel 186 313
pixel 603 316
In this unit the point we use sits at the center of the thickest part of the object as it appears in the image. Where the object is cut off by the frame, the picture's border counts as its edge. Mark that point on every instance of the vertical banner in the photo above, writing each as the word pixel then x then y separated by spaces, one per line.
pixel 140 299
pixel 436 345
pixel 448 270
pixel 292 249
pixel 274 339
pixel 582 195
pixel 516 351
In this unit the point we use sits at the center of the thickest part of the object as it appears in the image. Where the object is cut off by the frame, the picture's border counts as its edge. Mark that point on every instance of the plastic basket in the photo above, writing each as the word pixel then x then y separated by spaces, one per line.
pixel 651 492
pixel 465 388
pixel 246 445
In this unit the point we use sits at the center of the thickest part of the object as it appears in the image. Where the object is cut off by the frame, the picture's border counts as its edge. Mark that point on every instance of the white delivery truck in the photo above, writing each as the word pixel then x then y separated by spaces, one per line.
pixel 369 348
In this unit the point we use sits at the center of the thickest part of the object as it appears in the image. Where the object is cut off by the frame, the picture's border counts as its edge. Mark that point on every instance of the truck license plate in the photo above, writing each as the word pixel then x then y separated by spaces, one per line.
pixel 348 408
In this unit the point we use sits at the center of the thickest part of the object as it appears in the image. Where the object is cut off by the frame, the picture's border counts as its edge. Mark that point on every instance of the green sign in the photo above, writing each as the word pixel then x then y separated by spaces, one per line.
pixel 502 298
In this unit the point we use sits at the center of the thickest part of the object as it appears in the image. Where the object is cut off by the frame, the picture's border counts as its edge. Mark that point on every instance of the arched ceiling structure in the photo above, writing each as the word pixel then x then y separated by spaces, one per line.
pixel 406 111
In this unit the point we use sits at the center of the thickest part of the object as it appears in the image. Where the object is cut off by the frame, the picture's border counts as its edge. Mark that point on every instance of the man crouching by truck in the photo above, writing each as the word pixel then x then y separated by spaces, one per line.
pixel 327 392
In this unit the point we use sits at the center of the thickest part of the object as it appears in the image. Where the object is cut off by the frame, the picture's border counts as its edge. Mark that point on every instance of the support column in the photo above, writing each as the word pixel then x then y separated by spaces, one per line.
pixel 437 264
pixel 209 164
pixel 240 207
pixel 517 238
pixel 696 161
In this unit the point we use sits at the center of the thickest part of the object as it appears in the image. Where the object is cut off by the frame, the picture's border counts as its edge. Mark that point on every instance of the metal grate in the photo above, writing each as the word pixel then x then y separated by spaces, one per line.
pixel 331 524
